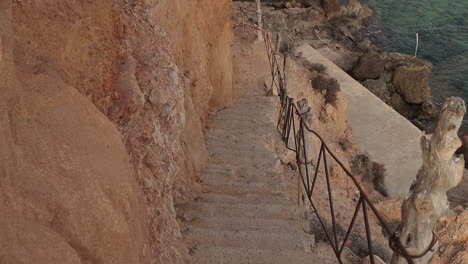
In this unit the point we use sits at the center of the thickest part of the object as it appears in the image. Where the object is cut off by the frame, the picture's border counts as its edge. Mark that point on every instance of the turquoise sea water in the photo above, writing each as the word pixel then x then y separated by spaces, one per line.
pixel 443 39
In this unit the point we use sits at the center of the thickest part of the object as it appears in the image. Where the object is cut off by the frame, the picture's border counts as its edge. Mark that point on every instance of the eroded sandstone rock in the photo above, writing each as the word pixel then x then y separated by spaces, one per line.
pixel 379 88
pixel 398 103
pixel 369 66
pixel 342 58
pixel 412 82
pixel 354 8
pixel 393 60
pixel 68 193
pixel 452 231
pixel 127 62
pixel 330 6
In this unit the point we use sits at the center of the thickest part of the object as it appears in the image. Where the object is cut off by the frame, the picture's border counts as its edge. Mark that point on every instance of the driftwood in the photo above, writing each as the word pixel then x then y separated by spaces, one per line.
pixel 427 201
pixel 305 149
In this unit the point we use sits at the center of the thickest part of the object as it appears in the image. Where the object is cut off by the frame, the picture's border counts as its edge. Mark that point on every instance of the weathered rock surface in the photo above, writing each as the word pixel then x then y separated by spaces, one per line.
pixel 344 59
pixel 393 60
pixel 369 66
pixel 453 236
pixel 379 88
pixel 464 148
pixel 412 82
pixel 357 10
pixel 401 106
pixel 428 110
pixel 377 260
pixel 69 181
pixel 68 192
pixel 330 7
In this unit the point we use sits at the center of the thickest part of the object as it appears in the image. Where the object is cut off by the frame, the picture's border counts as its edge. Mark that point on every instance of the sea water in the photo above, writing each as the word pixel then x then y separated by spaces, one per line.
pixel 442 26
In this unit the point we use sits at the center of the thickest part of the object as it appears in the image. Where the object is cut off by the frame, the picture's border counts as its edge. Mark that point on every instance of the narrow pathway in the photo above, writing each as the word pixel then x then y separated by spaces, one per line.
pixel 243 215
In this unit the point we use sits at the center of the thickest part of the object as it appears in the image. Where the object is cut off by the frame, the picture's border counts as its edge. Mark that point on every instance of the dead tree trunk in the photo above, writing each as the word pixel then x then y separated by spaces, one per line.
pixel 305 150
pixel 441 171
pixel 259 21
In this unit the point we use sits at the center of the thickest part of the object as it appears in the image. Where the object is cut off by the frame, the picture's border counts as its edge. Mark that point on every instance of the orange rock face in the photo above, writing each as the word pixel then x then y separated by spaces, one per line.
pixel 453 236
pixel 102 110
pixel 67 189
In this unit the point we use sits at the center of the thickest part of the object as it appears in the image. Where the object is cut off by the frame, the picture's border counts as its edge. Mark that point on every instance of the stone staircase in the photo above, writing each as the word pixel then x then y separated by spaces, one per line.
pixel 244 214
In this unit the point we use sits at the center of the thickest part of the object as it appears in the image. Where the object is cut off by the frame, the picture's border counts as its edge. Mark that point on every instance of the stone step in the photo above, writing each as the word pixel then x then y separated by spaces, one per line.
pixel 258 160
pixel 248 109
pixel 256 99
pixel 255 132
pixel 241 120
pixel 250 239
pixel 253 96
pixel 227 176
pixel 230 128
pixel 248 224
pixel 239 188
pixel 239 143
pixel 231 255
pixel 275 166
pixel 248 153
pixel 230 145
pixel 245 199
pixel 261 211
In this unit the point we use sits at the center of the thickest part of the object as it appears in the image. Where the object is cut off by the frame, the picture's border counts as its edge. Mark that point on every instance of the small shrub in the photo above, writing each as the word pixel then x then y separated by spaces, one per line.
pixel 329 85
pixel 320 234
pixel 358 243
pixel 345 144
pixel 379 173
pixel 320 68
pixel 371 172
pixel 360 247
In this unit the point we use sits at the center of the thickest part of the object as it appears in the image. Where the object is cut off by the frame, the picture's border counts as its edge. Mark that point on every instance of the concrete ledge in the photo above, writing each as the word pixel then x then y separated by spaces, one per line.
pixel 387 136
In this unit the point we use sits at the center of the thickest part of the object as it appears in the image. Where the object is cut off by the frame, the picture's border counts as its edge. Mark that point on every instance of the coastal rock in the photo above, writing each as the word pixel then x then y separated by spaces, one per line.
pixel 379 88
pixel 369 66
pixel 464 148
pixel 457 196
pixel 428 109
pixel 402 107
pixel 387 77
pixel 330 7
pixel 342 58
pixel 354 8
pixel 452 232
pixel 393 60
pixel 365 45
pixel 303 20
pixel 413 83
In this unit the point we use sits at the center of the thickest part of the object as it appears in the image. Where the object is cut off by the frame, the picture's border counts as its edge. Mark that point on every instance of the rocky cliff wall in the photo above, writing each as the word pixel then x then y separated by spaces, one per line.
pixel 101 124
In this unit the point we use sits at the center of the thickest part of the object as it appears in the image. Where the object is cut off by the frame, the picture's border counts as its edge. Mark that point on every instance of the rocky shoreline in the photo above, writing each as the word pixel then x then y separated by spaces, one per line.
pixel 346 36
pixel 341 34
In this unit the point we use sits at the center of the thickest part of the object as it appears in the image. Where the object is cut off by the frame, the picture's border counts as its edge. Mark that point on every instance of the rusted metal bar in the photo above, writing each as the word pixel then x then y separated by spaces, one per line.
pixel 351 225
pixel 322 223
pixel 330 198
pixel 368 232
pixel 317 167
